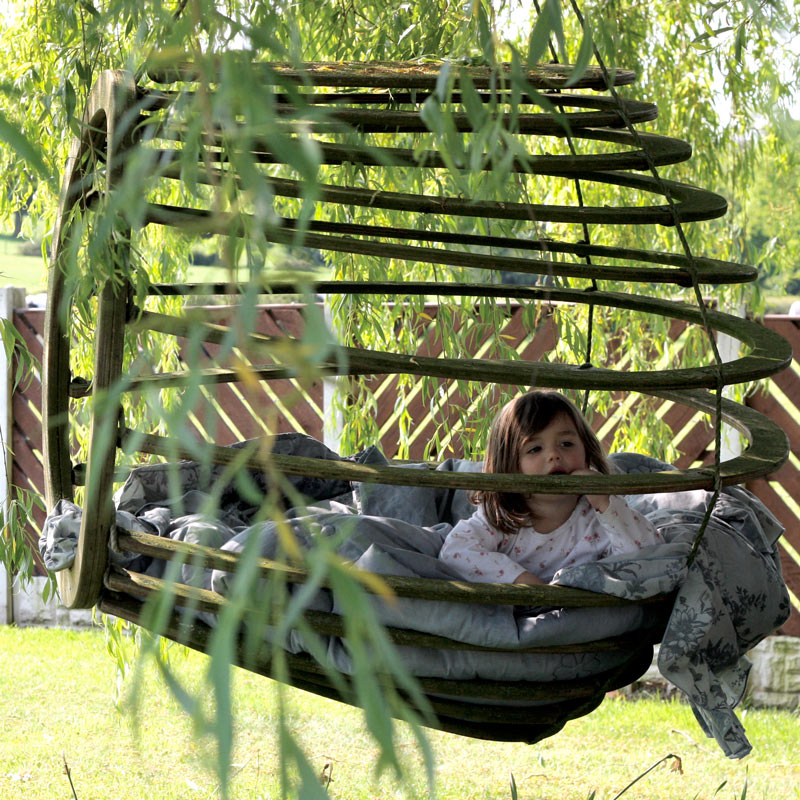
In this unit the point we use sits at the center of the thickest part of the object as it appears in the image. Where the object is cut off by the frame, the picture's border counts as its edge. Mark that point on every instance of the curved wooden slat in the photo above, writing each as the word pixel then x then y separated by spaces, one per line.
pixel 709 271
pixel 769 352
pixel 146 586
pixel 391 122
pixel 161 99
pixel 672 267
pixel 660 151
pixel 521 721
pixel 395 75
pixel 326 623
pixel 690 204
pixel 768 448
pixel 79 586
pixel 604 112
pixel 419 588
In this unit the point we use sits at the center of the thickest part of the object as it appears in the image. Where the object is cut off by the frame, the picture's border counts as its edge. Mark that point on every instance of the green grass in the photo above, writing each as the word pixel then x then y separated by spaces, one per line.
pixel 778 303
pixel 55 704
pixel 16 269
pixel 30 272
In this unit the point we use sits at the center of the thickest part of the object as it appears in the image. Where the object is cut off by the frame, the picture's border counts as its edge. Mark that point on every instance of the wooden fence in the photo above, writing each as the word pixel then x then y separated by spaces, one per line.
pixel 780 492
pixel 26 425
pixel 227 413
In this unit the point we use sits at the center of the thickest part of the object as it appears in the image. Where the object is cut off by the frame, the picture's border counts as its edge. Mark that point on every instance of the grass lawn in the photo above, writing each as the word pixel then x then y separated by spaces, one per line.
pixel 778 303
pixel 55 690
pixel 29 272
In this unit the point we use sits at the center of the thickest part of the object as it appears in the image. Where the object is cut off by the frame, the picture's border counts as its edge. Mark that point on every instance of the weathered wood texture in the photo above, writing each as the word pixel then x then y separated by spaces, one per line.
pixel 228 413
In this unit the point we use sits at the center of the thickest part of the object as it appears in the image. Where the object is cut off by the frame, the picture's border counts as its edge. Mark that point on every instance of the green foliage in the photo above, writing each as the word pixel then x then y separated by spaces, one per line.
pixel 53 53
pixel 25 151
pixel 16 552
pixel 769 215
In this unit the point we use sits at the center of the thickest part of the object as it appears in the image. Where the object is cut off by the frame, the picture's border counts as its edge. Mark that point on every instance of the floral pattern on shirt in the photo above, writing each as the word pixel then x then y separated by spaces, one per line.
pixel 482 554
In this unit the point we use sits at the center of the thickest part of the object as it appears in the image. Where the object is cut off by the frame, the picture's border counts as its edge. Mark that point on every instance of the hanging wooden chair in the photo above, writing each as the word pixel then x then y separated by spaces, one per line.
pixel 359 99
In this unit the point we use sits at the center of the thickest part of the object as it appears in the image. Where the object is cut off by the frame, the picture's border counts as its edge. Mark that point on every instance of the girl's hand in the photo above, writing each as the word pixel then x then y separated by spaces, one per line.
pixel 599 501
pixel 528 579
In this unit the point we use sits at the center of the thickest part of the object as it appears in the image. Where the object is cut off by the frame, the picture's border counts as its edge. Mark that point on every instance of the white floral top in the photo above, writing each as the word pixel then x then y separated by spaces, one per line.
pixel 483 554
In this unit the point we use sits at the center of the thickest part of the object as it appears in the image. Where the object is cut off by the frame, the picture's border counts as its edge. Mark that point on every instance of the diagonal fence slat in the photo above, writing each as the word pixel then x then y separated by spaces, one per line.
pixel 259 408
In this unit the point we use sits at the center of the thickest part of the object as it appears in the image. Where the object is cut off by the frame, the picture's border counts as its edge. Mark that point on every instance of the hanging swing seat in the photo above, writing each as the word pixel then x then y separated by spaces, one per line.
pixel 346 109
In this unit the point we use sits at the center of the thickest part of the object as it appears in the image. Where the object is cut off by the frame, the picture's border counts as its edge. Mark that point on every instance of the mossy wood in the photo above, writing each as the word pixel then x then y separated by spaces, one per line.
pixel 121 118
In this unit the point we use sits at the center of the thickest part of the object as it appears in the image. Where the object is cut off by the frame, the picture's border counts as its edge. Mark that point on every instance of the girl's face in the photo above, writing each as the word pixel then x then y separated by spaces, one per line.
pixel 556 449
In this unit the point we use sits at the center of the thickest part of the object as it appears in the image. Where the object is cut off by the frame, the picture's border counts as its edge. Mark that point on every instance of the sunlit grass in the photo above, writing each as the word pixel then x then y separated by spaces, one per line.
pixel 30 271
pixel 778 303
pixel 56 689
pixel 16 269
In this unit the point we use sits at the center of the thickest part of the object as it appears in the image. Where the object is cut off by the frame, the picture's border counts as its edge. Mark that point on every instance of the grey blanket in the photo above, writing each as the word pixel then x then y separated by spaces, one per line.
pixel 730 598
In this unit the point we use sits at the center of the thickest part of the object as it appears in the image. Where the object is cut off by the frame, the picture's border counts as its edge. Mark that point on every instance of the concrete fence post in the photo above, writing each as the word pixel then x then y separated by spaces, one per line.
pixel 332 421
pixel 729 349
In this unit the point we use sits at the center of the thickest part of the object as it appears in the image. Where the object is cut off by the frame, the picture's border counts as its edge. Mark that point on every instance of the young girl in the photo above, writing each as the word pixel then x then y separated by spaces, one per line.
pixel 516 538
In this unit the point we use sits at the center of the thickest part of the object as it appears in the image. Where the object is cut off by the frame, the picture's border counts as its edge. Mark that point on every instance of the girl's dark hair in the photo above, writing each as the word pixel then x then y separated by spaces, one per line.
pixel 517 421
